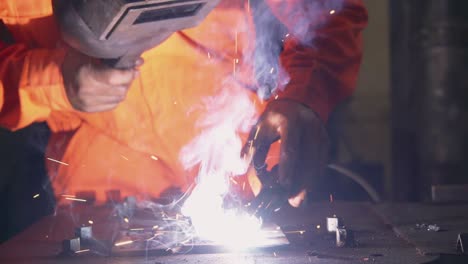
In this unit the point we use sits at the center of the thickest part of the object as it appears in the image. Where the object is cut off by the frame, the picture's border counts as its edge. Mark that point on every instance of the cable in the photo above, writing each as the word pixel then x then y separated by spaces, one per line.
pixel 358 179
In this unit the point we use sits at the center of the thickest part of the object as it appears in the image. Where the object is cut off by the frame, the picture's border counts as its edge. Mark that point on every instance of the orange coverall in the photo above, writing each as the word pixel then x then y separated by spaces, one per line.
pixel 135 147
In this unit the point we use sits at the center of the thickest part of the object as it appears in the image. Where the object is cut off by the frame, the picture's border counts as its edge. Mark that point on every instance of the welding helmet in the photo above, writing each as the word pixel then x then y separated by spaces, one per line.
pixel 120 31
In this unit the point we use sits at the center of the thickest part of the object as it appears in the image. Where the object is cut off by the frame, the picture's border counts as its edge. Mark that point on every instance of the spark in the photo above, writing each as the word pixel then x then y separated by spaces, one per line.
pixel 126 220
pixel 276 97
pixel 90 222
pixel 155 227
pixel 153 237
pixel 243 186
pixel 318 226
pixel 137 229
pixel 58 161
pixel 76 199
pixel 154 157
pixel 287 35
pixel 170 219
pixel 169 232
pixel 256 132
pixel 272 70
pixel 36 196
pixel 236 42
pixel 331 198
pixel 332 12
pixel 277 209
pixel 82 251
pixel 301 232
pixel 274 254
pixel 68 195
pixel 234 181
pixel 251 146
pixel 175 102
pixel 185 242
pixel 123 157
pixel 209 55
pixel 123 243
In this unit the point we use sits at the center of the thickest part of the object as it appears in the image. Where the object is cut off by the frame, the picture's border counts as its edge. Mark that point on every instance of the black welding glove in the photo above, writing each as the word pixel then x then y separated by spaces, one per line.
pixel 303 147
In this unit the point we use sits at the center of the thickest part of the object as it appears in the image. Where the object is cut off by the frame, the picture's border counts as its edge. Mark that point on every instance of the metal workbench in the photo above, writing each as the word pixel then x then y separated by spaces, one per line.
pixel 384 233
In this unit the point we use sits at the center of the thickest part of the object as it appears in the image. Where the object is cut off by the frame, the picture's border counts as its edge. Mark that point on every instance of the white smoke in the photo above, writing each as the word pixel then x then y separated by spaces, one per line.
pixel 217 148
pixel 216 152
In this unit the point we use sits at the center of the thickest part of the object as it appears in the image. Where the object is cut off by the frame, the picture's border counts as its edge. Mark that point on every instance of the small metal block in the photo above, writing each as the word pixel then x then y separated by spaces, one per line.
pixel 71 245
pixel 84 233
pixel 449 193
pixel 462 243
pixel 341 237
pixel 332 224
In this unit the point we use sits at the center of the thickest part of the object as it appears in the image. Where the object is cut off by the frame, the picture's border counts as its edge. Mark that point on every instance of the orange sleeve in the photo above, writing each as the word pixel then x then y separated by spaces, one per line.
pixel 31 88
pixel 322 53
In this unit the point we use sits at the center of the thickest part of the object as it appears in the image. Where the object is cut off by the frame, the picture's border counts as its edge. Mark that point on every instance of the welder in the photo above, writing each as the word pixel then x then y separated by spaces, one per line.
pixel 123 128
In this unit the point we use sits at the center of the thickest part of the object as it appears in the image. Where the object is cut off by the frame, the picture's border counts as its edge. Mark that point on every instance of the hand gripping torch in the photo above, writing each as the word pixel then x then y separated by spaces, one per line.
pixel 119 31
pixel 264 195
pixel 272 196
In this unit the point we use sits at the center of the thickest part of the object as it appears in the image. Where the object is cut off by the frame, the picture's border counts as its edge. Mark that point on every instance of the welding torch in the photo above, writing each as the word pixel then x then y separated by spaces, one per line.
pixel 269 195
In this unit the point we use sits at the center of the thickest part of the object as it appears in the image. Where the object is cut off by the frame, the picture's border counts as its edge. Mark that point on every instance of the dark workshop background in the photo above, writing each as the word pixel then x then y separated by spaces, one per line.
pixel 403 129
pixel 360 128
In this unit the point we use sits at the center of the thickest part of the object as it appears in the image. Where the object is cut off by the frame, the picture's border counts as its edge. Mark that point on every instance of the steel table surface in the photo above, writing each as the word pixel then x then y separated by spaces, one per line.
pixel 385 233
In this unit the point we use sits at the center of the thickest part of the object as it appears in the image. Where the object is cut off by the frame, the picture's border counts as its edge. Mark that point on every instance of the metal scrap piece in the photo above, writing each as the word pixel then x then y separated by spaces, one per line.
pixel 462 243
pixel 332 224
pixel 433 228
pixel 428 227
pixel 70 246
pixel 449 193
pixel 84 233
pixel 344 237
pixel 341 236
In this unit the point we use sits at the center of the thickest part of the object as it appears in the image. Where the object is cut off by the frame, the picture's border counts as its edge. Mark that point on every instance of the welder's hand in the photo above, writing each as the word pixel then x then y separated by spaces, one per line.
pixel 94 87
pixel 303 147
